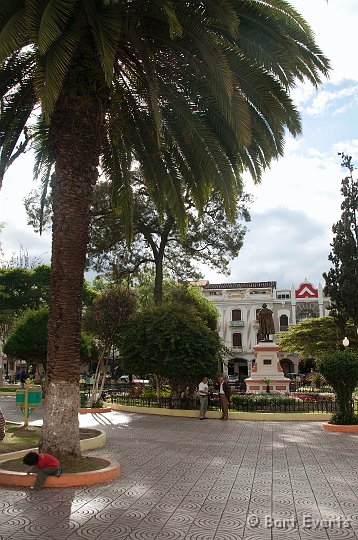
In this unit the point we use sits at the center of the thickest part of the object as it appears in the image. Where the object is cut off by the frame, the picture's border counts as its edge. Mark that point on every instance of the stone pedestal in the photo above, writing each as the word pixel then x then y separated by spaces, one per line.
pixel 267 366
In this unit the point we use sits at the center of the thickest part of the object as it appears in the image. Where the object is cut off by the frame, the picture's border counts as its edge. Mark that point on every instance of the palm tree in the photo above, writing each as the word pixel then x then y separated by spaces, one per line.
pixel 211 79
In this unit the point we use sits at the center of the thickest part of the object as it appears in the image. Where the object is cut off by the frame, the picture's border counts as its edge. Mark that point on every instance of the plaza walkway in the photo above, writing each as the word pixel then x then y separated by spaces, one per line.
pixel 186 479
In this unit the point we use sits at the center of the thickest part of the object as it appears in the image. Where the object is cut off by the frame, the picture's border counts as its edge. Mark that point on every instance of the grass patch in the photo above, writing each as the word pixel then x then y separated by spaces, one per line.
pixel 19 438
pixel 73 465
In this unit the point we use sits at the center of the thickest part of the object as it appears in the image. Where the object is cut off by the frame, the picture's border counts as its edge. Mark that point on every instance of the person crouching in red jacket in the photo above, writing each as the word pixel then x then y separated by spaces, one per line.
pixel 44 465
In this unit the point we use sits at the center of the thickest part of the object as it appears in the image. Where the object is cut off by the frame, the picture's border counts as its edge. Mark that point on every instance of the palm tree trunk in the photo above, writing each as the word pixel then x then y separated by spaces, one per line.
pixel 75 134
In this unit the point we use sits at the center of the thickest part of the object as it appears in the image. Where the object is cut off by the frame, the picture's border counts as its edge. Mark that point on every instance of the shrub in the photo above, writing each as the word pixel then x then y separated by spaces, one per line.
pixel 340 369
pixel 255 401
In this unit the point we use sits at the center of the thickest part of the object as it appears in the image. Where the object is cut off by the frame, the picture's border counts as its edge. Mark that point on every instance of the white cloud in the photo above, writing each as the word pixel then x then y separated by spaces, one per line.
pixel 17 185
pixel 283 246
pixel 325 98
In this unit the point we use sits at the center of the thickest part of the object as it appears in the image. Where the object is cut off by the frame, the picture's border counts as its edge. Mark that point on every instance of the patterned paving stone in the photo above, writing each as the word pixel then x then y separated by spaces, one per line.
pixel 184 479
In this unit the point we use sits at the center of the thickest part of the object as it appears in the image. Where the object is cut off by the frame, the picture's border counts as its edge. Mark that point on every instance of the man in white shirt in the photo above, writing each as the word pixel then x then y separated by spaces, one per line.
pixel 203 392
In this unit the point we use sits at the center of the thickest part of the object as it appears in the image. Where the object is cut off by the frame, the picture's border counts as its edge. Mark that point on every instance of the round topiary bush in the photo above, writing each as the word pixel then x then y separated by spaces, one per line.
pixel 340 369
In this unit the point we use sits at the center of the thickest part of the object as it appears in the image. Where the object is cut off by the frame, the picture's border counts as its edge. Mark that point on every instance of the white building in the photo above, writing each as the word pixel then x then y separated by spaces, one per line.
pixel 238 305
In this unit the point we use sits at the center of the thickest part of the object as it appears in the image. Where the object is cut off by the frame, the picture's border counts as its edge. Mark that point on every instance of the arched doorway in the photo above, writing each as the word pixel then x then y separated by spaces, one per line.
pixel 287 366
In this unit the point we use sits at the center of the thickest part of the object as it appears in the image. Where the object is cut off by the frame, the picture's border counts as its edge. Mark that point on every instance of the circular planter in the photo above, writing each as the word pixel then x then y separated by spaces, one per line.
pixel 100 476
pixel 340 428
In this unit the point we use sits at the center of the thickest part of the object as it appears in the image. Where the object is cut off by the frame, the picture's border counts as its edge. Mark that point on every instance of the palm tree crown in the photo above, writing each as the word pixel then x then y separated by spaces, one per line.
pixel 210 79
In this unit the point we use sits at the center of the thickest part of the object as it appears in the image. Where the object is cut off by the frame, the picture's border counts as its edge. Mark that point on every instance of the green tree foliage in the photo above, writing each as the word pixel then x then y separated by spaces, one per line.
pixel 28 340
pixel 107 314
pixel 171 342
pixel 191 297
pixel 28 288
pixel 143 285
pixel 340 369
pixel 105 319
pixel 312 337
pixel 157 242
pixel 22 288
pixel 342 278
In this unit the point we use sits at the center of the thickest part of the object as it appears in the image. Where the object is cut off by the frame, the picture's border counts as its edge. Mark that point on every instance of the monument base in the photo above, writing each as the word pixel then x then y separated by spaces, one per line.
pixel 267 370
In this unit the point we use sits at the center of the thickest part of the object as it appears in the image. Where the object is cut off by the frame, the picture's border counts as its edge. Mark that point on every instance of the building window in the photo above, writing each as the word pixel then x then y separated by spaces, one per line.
pixel 283 296
pixel 283 323
pixel 212 293
pixel 237 339
pixel 236 315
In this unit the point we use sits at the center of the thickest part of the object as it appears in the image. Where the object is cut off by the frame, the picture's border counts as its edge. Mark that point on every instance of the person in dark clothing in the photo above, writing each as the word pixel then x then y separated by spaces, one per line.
pixel 224 397
pixel 23 377
pixel 2 426
pixel 44 465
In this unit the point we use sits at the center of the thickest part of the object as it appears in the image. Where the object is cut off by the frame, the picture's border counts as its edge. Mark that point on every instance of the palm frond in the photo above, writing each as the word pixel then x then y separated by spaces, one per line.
pixel 53 67
pixel 106 23
pixel 13 35
pixel 15 112
pixel 54 20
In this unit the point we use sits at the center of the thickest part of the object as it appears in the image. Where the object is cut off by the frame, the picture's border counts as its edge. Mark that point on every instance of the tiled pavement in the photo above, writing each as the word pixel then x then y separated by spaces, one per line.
pixel 186 479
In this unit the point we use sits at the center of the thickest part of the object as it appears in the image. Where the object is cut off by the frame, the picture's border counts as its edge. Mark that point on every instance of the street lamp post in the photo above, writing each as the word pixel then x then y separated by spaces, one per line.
pixel 345 343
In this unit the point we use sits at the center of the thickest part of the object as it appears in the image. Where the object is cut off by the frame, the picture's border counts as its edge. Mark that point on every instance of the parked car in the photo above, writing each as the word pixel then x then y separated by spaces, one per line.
pixel 292 376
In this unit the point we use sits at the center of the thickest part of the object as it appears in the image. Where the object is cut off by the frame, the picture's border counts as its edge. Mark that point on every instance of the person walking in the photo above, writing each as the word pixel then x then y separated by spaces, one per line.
pixel 224 397
pixel 203 393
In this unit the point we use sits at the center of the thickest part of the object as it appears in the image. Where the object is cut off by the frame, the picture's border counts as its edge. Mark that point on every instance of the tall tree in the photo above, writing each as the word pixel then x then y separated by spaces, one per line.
pixel 171 342
pixel 342 278
pixel 106 75
pixel 105 319
pixel 157 242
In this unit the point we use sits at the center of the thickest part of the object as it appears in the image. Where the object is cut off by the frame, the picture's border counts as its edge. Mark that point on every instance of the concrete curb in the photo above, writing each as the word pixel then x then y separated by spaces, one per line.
pixel 93 410
pixel 19 479
pixel 335 428
pixel 269 417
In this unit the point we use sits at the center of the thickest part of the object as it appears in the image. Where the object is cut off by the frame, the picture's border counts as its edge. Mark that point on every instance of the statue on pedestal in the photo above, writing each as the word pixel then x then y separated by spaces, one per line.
pixel 266 325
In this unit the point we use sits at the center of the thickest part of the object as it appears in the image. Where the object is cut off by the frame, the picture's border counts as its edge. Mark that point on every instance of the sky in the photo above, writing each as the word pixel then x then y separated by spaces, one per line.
pixel 299 198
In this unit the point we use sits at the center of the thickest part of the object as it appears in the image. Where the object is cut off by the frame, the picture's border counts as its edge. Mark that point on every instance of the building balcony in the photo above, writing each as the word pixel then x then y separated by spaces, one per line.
pixel 236 324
